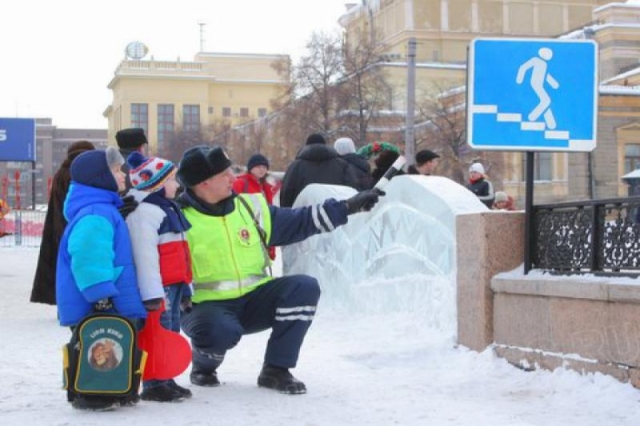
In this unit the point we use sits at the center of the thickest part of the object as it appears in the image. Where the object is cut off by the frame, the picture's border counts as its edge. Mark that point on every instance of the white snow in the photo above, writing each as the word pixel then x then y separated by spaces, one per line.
pixel 384 355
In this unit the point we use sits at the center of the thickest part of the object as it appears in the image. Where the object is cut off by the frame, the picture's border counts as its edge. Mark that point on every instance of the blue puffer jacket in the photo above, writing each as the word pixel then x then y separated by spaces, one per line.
pixel 95 259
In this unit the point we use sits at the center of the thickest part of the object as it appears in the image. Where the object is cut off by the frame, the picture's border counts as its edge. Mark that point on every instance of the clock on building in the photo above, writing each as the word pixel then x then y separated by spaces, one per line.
pixel 136 50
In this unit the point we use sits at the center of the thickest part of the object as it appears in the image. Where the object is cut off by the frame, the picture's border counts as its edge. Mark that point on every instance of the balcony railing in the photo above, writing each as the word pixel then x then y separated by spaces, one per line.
pixel 128 66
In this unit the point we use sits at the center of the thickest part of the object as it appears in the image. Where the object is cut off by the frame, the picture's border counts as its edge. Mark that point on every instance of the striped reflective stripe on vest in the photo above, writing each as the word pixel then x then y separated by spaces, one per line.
pixel 230 284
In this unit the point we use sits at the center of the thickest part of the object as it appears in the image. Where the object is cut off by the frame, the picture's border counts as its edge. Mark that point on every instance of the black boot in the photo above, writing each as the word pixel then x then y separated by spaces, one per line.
pixel 162 393
pixel 202 378
pixel 94 403
pixel 129 401
pixel 280 379
pixel 183 391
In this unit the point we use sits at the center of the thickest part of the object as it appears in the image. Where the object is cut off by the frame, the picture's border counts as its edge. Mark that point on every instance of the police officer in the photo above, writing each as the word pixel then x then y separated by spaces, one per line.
pixel 233 291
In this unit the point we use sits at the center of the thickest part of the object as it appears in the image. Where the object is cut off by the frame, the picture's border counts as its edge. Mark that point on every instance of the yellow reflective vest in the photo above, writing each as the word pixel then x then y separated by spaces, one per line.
pixel 228 257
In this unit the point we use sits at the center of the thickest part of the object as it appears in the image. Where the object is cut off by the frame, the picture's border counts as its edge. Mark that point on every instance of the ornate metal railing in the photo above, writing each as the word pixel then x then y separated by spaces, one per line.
pixel 599 236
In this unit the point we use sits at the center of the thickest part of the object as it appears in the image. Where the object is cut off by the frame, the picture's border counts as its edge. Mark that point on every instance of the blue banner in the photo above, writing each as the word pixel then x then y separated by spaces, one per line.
pixel 17 139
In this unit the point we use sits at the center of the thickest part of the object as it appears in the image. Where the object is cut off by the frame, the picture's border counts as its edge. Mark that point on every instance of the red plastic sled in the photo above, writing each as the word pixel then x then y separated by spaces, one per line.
pixel 168 352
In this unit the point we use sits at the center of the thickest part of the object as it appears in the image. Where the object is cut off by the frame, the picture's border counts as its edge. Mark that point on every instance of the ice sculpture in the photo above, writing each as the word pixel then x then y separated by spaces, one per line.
pixel 399 257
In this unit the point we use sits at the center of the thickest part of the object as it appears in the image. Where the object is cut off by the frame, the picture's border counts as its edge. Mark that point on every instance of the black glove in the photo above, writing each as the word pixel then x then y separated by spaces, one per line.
pixel 130 204
pixel 153 304
pixel 186 305
pixel 103 305
pixel 363 201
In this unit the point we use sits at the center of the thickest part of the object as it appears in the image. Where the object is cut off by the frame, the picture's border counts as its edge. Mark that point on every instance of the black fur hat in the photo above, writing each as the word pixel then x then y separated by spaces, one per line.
pixel 200 163
pixel 316 138
pixel 131 138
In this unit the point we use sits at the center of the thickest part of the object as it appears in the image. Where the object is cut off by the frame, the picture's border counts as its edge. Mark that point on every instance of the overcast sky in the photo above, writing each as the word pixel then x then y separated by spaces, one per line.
pixel 59 56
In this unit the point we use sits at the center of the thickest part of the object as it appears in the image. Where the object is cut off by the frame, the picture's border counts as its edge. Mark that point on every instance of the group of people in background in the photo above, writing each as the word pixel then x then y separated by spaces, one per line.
pixel 343 164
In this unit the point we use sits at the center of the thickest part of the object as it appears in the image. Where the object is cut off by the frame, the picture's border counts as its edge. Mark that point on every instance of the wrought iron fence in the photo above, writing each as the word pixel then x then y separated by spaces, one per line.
pixel 22 228
pixel 598 236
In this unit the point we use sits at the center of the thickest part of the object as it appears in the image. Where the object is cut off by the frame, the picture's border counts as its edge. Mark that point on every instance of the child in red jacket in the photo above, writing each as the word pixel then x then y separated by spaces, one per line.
pixel 255 181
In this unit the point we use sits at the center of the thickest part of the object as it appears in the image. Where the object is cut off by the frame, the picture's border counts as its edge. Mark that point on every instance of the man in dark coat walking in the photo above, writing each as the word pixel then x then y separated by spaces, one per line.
pixel 315 163
pixel 44 283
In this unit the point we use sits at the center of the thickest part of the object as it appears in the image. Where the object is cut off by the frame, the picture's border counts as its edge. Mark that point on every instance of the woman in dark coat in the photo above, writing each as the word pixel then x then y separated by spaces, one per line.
pixel 44 283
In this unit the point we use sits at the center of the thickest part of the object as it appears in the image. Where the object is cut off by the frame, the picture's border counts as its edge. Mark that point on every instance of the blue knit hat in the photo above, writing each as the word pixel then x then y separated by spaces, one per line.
pixel 149 173
pixel 93 168
pixel 257 160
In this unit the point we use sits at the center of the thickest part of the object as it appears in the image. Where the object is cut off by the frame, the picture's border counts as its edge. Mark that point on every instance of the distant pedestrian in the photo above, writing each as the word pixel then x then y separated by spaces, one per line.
pixel 255 182
pixel 4 210
pixel 44 282
pixel 361 167
pixel 315 163
pixel 426 163
pixel 131 140
pixel 383 162
pixel 480 185
pixel 503 201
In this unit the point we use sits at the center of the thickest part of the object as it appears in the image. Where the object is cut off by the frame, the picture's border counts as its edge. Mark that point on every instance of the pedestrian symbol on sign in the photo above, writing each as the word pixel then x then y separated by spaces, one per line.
pixel 540 76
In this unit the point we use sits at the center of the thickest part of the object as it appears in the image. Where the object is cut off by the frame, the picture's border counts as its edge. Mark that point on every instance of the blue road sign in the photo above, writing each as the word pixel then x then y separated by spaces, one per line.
pixel 17 139
pixel 532 95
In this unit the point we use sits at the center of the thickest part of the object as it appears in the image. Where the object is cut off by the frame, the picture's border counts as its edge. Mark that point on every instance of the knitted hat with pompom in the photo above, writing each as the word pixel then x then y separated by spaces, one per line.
pixel 149 173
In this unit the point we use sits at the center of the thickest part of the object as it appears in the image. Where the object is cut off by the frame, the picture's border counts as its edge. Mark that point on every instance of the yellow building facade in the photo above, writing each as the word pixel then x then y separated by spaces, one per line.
pixel 214 91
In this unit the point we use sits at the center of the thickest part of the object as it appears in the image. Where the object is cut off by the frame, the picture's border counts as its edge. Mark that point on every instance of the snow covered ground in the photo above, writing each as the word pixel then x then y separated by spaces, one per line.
pixel 360 369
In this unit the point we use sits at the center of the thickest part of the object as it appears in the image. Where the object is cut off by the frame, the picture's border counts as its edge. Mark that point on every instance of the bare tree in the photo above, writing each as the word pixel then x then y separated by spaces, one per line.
pixel 442 127
pixel 364 90
pixel 310 100
pixel 178 141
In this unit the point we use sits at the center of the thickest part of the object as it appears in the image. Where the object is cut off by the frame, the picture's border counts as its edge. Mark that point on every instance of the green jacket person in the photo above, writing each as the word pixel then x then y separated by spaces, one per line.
pixel 233 293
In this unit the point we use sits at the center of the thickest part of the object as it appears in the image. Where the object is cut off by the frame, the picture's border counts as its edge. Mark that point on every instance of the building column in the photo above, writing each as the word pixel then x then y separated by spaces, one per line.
pixel 475 22
pixel 408 15
pixel 444 15
pixel 505 17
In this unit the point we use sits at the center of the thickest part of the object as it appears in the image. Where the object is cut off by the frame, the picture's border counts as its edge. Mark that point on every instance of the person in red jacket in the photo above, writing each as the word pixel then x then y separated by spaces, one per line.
pixel 255 181
pixel 4 210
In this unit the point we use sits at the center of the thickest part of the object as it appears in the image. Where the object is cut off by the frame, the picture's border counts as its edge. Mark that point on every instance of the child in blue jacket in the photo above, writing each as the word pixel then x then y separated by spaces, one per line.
pixel 95 260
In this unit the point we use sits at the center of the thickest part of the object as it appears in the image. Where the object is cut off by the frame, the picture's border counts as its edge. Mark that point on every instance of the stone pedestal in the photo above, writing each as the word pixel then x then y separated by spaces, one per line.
pixel 487 243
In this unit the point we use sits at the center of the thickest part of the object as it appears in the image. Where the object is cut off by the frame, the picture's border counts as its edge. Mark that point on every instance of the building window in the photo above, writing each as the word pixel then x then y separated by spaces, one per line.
pixel 262 112
pixel 140 116
pixel 191 118
pixel 244 112
pixel 210 110
pixel 631 157
pixel 166 126
pixel 226 112
pixel 542 167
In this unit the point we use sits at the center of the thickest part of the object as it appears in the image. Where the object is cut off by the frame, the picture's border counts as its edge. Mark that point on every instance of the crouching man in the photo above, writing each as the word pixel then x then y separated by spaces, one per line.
pixel 234 293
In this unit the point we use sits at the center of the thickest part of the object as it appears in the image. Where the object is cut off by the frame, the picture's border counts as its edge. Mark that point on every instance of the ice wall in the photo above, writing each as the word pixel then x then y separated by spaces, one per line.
pixel 398 257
